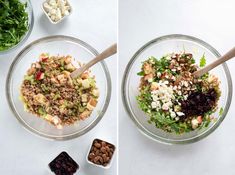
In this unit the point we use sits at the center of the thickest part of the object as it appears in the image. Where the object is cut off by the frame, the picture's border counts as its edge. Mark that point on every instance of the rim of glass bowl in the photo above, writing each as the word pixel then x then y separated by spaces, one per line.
pixel 27 34
pixel 45 40
pixel 126 101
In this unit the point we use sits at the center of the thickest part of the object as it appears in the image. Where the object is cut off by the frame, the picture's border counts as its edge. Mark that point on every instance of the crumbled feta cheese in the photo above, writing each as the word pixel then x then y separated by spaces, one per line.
pixel 168 57
pixel 177 118
pixel 165 106
pixel 58 14
pixel 179 92
pixel 159 74
pixel 180 113
pixel 185 97
pixel 173 115
pixel 156 105
pixel 57 9
pixel 163 94
pixel 194 123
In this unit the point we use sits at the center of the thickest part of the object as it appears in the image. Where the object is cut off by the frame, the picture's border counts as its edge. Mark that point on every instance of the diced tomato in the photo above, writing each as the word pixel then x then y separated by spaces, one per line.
pixel 39 75
pixel 199 119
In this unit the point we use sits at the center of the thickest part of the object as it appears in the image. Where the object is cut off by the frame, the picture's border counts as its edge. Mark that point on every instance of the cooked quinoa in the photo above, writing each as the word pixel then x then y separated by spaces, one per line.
pixel 174 100
pixel 49 92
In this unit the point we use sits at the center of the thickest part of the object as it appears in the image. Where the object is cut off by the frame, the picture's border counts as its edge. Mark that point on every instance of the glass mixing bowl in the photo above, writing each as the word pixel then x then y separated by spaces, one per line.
pixel 62 45
pixel 29 10
pixel 159 47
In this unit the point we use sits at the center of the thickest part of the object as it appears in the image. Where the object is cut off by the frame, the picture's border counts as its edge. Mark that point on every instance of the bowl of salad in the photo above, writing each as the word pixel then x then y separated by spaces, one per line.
pixel 43 96
pixel 16 24
pixel 162 97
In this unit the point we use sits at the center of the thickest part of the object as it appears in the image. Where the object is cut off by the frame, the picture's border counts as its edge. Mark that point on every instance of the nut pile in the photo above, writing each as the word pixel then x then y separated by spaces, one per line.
pixel 63 164
pixel 101 152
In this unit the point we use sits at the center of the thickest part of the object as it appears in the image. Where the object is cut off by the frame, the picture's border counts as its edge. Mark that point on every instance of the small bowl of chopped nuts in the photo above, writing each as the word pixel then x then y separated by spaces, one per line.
pixel 163 98
pixel 101 153
pixel 56 10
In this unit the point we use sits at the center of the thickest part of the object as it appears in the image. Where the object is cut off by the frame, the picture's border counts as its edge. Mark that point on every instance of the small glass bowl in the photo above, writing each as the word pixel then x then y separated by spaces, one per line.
pixel 62 45
pixel 29 10
pixel 157 48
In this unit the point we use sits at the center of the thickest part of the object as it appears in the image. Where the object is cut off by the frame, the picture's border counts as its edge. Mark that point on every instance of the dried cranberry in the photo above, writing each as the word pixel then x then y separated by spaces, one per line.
pixel 199 103
pixel 63 164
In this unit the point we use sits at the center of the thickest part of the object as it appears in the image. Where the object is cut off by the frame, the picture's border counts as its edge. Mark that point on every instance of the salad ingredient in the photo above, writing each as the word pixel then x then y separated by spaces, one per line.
pixel 49 92
pixel 57 9
pixel 13 23
pixel 174 100
pixel 101 152
pixel 63 164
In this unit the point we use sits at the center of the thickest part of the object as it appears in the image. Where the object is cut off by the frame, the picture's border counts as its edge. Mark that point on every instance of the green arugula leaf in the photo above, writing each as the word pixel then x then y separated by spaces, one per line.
pixel 141 73
pixel 221 111
pixel 202 61
pixel 13 23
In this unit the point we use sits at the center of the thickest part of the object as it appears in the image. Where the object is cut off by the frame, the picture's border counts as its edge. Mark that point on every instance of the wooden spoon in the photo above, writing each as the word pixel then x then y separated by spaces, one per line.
pixel 105 54
pixel 230 54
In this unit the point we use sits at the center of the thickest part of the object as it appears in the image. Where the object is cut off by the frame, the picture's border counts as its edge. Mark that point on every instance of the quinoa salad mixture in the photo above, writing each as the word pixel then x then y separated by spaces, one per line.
pixel 49 92
pixel 175 101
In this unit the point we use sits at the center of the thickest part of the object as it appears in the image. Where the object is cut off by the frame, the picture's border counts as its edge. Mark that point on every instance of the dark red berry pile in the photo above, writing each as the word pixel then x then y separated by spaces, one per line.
pixel 63 164
pixel 199 103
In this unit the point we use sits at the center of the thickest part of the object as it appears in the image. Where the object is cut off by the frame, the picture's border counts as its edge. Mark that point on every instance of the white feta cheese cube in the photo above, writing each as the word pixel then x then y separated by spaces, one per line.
pixel 173 115
pixel 165 106
pixel 66 12
pixel 180 113
pixel 194 123
pixel 159 74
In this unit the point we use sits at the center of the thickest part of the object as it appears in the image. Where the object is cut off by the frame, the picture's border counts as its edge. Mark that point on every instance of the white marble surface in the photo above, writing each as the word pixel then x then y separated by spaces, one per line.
pixel 21 152
pixel 141 21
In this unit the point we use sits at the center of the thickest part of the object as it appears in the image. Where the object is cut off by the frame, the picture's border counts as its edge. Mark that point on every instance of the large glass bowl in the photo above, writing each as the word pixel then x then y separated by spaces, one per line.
pixel 29 10
pixel 62 45
pixel 159 47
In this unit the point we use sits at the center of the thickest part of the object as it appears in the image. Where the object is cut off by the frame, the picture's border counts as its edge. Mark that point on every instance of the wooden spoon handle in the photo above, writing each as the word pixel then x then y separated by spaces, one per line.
pixel 105 54
pixel 230 54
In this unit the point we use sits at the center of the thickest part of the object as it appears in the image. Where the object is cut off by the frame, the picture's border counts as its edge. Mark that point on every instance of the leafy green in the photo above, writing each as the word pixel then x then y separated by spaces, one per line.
pixel 205 76
pixel 42 111
pixel 193 60
pixel 221 111
pixel 162 64
pixel 202 61
pixel 141 73
pixel 30 78
pixel 13 23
